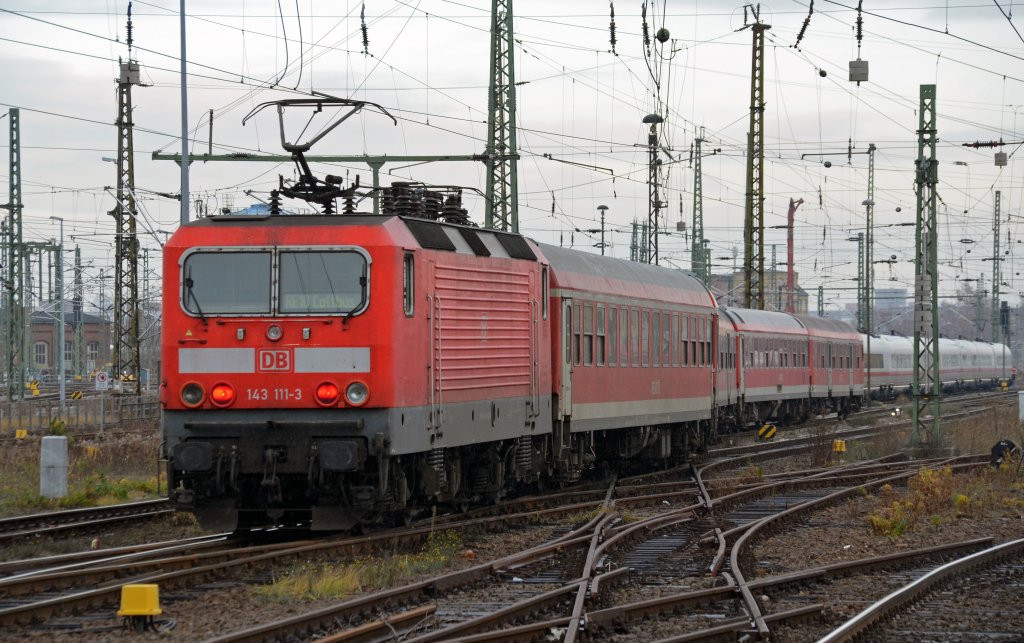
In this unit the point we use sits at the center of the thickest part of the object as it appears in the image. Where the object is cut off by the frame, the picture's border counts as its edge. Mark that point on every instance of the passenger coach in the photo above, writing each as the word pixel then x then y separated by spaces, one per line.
pixel 635 354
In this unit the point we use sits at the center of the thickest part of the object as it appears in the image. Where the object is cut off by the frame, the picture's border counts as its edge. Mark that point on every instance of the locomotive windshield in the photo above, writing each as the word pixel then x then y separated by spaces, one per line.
pixel 308 282
pixel 322 282
pixel 227 283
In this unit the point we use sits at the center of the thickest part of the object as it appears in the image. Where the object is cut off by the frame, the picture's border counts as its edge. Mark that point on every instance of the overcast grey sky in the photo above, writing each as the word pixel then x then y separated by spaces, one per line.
pixel 427 63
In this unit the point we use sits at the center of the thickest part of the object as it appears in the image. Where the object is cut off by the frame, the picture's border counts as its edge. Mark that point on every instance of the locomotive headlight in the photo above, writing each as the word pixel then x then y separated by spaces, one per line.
pixel 192 395
pixel 222 394
pixel 274 332
pixel 356 393
pixel 327 394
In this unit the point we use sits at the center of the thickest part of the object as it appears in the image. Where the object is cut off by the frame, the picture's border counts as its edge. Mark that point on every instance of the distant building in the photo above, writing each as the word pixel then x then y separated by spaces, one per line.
pixel 96 339
pixel 891 298
pixel 728 290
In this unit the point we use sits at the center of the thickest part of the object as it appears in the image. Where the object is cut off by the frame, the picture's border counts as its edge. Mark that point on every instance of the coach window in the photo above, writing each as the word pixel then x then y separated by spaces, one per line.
pixel 407 285
pixel 576 335
pixel 700 339
pixel 693 341
pixel 613 337
pixel 624 337
pixel 600 334
pixel 656 338
pixel 634 337
pixel 645 340
pixel 683 338
pixel 666 339
pixel 705 341
pixel 674 340
pixel 588 334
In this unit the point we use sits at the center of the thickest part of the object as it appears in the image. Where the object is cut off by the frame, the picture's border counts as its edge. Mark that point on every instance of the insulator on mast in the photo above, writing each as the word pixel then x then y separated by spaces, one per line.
pixel 611 27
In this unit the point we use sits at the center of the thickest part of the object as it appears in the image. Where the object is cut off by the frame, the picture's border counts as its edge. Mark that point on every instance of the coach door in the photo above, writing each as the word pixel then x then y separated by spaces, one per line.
pixel 830 365
pixel 565 394
pixel 852 352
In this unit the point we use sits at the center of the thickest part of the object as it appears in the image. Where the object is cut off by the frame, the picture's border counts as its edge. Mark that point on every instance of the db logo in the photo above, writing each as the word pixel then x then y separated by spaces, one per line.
pixel 275 360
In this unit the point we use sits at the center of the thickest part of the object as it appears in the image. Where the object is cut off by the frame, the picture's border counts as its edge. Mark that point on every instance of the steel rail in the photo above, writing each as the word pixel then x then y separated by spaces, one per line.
pixel 669 603
pixel 69 519
pixel 753 532
pixel 420 591
pixel 110 594
pixel 912 591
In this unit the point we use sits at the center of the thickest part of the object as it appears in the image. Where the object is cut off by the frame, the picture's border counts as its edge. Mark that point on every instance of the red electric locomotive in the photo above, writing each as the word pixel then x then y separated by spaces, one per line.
pixel 345 367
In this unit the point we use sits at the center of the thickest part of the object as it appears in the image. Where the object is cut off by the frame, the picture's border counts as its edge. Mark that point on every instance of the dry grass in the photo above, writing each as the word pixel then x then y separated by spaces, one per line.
pixel 113 469
pixel 319 580
pixel 979 432
pixel 936 497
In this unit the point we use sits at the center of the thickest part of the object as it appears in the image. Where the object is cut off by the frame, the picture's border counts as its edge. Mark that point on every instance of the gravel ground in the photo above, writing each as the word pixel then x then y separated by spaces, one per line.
pixel 843 534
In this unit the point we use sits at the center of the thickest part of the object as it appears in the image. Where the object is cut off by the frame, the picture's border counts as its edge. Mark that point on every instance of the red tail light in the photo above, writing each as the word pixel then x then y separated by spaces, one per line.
pixel 222 394
pixel 327 394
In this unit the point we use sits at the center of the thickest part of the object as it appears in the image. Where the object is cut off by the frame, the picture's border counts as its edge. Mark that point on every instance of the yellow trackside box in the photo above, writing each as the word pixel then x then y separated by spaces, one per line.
pixel 140 600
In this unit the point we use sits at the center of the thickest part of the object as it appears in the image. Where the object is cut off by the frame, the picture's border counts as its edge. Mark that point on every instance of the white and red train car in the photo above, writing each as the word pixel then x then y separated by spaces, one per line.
pixel 785 367
pixel 963 364
pixel 633 356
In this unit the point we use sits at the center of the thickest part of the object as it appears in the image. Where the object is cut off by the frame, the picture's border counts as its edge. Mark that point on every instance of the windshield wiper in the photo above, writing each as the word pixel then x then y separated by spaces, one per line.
pixel 191 295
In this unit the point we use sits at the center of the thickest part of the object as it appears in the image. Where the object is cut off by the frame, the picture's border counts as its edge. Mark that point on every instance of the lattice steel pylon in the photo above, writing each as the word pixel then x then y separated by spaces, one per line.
pixel 927 387
pixel 869 266
pixel 502 150
pixel 654 203
pixel 753 222
pixel 699 263
pixel 78 341
pixel 15 286
pixel 126 243
pixel 862 285
pixel 997 277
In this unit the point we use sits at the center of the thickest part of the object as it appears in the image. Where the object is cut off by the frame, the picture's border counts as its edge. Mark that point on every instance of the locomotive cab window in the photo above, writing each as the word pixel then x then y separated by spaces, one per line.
pixel 308 282
pixel 226 283
pixel 322 282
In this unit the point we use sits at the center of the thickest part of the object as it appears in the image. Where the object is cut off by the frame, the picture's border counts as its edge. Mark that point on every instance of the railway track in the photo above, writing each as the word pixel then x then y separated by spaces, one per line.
pixel 656 548
pixel 52 523
pixel 983 605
